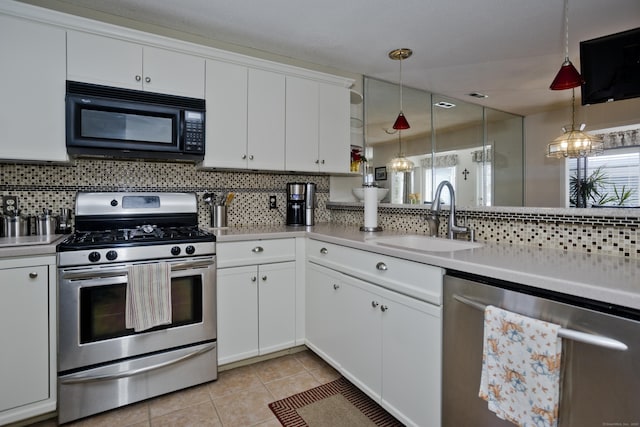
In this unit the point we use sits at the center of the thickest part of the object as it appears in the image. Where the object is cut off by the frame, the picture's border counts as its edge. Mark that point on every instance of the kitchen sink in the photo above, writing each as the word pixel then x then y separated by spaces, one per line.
pixel 421 243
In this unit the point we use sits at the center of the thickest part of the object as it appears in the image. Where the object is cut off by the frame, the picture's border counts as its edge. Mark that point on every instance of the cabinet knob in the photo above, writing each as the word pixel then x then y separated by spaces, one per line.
pixel 317 161
pixel 254 278
pixel 381 266
pixel 251 157
pixel 264 278
pixel 336 286
pixel 322 162
pixel 244 157
pixel 138 78
pixel 374 304
pixel 33 274
pixel 147 79
pixel 257 249
pixel 324 251
pixel 384 308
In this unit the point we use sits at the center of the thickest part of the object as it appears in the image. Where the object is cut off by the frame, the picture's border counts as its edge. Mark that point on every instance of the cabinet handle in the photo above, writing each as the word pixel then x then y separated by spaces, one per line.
pixel 257 249
pixel 375 304
pixel 244 157
pixel 33 274
pixel 264 278
pixel 384 308
pixel 254 278
pixel 381 266
pixel 147 79
pixel 336 286
pixel 138 78
pixel 251 157
pixel 324 251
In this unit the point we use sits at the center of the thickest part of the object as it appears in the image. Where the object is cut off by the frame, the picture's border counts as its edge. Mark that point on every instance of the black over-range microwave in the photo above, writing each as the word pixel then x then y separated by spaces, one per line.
pixel 104 121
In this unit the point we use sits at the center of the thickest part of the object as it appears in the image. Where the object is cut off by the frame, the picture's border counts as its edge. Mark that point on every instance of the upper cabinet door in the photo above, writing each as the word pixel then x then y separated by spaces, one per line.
pixel 103 60
pixel 266 118
pixel 334 128
pixel 112 62
pixel 173 73
pixel 226 98
pixel 302 125
pixel 32 116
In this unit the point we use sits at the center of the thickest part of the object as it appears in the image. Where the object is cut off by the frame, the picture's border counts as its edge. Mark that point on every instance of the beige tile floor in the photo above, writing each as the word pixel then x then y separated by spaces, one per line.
pixel 238 398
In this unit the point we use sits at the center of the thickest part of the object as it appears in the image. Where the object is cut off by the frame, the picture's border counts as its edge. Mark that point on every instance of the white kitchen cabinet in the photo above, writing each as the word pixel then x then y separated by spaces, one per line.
pixel 226 130
pixel 32 114
pixel 317 126
pixel 334 128
pixel 28 334
pixel 265 120
pixel 110 61
pixel 256 301
pixel 245 118
pixel 386 342
pixel 324 314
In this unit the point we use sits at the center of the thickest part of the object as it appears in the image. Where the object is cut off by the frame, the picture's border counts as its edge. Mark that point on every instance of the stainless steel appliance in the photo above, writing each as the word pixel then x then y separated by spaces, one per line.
pixel 310 203
pixel 102 364
pixel 600 353
pixel 296 203
pixel 112 122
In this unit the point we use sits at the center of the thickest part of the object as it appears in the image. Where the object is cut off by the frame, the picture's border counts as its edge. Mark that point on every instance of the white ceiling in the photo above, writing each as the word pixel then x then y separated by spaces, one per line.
pixel 507 49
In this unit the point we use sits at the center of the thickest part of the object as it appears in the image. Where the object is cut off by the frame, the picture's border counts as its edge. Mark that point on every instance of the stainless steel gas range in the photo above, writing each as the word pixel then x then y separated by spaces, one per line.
pixel 102 362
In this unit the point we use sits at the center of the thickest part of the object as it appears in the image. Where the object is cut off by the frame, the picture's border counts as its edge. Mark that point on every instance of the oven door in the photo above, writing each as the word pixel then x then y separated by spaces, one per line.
pixel 92 313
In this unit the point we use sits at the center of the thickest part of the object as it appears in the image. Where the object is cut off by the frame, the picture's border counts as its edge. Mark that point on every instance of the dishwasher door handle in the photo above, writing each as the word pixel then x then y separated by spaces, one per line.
pixel 571 334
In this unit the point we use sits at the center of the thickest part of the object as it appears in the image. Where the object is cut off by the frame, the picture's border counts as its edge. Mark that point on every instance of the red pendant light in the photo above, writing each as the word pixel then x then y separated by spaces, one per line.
pixel 401 122
pixel 568 77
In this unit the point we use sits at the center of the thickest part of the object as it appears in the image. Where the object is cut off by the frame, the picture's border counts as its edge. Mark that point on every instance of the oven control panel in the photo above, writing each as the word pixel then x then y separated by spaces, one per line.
pixel 134 253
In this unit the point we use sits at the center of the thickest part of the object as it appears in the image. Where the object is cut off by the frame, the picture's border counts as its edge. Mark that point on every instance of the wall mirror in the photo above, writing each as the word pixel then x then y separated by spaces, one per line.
pixel 477 149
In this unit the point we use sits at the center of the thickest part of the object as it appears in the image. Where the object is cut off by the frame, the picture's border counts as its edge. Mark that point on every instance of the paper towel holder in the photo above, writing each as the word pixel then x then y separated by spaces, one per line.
pixel 370 229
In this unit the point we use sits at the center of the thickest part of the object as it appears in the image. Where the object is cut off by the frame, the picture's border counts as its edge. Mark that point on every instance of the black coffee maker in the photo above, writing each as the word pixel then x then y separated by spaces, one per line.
pixel 296 192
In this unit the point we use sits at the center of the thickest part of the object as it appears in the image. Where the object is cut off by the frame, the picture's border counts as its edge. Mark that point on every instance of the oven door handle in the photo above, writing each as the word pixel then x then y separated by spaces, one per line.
pixel 106 377
pixel 571 334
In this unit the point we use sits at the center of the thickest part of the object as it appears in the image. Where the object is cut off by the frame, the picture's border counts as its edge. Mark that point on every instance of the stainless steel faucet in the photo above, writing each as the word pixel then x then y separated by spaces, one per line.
pixel 433 218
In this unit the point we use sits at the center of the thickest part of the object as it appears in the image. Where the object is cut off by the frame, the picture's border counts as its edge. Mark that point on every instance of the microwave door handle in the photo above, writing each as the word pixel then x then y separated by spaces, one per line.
pixel 571 334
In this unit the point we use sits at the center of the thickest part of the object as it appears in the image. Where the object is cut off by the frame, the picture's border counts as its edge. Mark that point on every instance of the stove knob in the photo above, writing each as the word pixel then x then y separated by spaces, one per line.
pixel 175 250
pixel 94 256
pixel 114 202
pixel 190 250
pixel 111 255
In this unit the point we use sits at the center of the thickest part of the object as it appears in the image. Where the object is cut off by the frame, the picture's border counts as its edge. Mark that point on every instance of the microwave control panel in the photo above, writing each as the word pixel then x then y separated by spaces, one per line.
pixel 194 131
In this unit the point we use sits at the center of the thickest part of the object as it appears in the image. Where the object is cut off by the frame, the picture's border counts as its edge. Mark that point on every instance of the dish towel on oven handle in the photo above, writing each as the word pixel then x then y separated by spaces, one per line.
pixel 521 368
pixel 148 298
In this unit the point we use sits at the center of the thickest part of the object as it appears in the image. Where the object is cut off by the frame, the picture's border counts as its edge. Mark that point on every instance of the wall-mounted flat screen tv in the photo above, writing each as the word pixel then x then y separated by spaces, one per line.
pixel 610 67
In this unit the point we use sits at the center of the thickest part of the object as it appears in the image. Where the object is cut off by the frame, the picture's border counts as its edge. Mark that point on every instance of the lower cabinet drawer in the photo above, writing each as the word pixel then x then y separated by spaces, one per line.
pixel 411 278
pixel 233 254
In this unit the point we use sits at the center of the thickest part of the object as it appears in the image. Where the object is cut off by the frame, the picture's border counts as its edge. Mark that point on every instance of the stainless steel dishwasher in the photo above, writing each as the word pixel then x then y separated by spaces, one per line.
pixel 600 373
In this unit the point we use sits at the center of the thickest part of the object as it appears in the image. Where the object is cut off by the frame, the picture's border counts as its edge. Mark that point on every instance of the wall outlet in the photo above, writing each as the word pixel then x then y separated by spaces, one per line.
pixel 272 202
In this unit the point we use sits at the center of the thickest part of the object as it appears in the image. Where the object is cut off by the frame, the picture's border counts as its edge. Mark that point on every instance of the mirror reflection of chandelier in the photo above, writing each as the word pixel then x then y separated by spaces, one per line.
pixel 400 163
pixel 574 142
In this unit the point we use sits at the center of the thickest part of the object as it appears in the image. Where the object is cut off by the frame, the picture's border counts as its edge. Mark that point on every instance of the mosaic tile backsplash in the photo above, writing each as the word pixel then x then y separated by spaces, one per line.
pixel 608 235
pixel 55 186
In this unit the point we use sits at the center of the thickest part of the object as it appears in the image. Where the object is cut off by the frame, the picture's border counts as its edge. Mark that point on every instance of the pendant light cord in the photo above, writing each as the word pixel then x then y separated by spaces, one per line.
pixel 401 84
pixel 566 30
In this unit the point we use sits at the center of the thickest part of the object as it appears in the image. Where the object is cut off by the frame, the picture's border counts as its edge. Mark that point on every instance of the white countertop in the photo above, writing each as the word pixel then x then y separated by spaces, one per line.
pixel 29 245
pixel 614 280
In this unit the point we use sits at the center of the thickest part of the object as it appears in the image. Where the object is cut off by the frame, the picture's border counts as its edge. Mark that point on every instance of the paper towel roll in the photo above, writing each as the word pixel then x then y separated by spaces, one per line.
pixel 370 207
